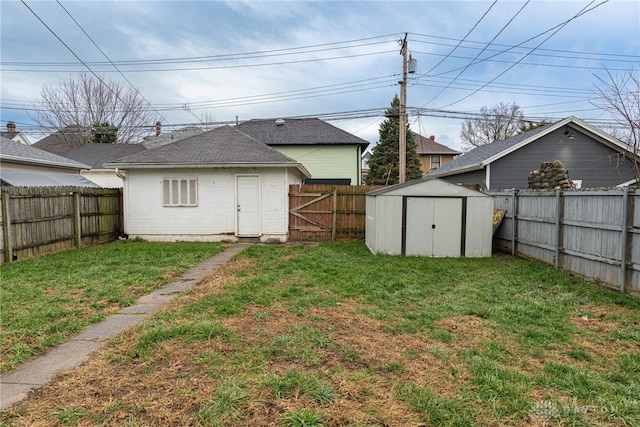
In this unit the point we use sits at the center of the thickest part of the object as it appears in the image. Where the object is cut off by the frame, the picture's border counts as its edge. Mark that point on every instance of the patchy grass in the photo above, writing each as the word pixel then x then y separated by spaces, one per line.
pixel 330 335
pixel 44 300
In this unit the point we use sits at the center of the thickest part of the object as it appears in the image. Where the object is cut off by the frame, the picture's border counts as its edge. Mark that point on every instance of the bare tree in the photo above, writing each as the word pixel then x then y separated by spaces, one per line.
pixel 492 124
pixel 79 103
pixel 620 97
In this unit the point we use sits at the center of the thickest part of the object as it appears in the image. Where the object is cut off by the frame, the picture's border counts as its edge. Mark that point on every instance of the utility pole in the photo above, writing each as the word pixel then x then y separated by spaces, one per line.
pixel 403 114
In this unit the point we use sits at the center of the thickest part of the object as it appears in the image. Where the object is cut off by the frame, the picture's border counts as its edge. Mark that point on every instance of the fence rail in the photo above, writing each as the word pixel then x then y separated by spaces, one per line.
pixel 40 220
pixel 593 233
pixel 327 212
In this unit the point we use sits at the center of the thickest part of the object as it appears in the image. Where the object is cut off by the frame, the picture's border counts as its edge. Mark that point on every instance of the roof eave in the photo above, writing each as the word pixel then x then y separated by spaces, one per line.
pixel 205 166
pixel 34 162
pixel 454 171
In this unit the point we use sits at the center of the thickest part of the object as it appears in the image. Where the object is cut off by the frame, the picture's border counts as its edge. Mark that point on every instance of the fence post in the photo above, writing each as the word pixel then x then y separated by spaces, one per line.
pixel 77 223
pixel 623 238
pixel 558 226
pixel 6 226
pixel 334 219
pixel 514 205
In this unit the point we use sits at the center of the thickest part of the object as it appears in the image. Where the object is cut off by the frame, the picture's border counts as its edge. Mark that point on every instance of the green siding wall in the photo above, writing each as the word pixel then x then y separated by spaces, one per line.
pixel 327 161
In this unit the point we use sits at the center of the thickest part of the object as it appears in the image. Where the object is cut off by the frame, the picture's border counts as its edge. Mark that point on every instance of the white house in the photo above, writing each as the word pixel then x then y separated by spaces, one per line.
pixel 219 185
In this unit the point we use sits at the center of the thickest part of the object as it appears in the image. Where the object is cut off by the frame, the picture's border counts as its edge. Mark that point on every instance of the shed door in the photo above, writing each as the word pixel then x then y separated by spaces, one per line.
pixel 433 226
pixel 248 194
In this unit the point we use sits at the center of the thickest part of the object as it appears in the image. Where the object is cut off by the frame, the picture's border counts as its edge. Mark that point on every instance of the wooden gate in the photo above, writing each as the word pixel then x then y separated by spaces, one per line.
pixel 327 212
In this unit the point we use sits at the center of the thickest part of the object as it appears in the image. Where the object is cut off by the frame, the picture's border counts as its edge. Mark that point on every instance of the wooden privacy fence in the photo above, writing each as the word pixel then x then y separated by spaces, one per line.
pixel 40 220
pixel 327 212
pixel 594 233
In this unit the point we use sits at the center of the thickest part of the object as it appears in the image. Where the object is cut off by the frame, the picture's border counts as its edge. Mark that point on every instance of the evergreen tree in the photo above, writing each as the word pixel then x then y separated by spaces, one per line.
pixel 384 163
pixel 527 126
pixel 104 133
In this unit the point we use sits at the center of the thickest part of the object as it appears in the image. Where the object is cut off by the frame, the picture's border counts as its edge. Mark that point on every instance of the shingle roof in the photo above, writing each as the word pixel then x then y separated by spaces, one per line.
pixel 299 132
pixel 168 138
pixel 478 155
pixel 13 151
pixel 96 155
pixel 225 145
pixel 64 140
pixel 430 146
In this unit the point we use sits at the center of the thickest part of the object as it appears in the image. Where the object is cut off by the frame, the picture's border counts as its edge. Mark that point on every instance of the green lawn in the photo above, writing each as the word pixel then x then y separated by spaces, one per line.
pixel 44 300
pixel 331 335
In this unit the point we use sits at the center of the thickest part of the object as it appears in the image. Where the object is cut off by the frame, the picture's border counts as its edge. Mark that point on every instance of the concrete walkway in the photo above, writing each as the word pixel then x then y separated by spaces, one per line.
pixel 15 386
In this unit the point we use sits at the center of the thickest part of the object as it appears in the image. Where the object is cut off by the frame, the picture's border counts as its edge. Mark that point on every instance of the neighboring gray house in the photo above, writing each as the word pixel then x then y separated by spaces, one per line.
pixel 61 141
pixel 74 143
pixel 330 154
pixel 24 165
pixel 220 185
pixel 160 139
pixel 96 155
pixel 592 157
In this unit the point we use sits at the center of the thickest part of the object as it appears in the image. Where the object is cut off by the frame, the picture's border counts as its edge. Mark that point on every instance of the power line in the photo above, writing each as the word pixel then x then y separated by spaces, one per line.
pixel 479 53
pixel 231 56
pixel 601 55
pixel 79 59
pixel 110 61
pixel 226 67
pixel 557 28
pixel 464 38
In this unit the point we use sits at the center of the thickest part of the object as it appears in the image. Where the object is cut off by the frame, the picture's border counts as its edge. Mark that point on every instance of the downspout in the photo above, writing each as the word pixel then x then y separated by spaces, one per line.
pixel 122 177
pixel 359 166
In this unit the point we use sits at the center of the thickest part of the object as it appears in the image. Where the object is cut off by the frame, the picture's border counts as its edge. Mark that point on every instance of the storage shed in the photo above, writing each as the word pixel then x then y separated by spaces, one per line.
pixel 429 217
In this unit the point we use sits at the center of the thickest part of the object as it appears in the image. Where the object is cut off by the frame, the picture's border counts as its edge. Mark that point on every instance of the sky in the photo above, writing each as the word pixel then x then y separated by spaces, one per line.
pixel 217 62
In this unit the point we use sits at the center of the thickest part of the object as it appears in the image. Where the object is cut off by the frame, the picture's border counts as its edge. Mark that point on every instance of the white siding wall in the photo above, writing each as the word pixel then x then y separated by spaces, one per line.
pixel 105 178
pixel 214 218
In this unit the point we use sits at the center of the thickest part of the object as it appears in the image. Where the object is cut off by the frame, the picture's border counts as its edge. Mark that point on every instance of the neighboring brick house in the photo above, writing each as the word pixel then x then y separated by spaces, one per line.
pixel 432 154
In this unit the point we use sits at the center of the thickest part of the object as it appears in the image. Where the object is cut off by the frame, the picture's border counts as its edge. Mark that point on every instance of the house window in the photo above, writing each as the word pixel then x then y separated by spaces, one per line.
pixel 180 192
pixel 435 162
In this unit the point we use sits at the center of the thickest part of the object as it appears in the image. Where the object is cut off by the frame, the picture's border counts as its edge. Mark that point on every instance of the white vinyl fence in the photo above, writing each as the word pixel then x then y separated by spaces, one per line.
pixel 593 233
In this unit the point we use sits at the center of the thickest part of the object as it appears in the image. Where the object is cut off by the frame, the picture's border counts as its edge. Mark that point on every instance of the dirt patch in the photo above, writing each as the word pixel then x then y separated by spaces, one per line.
pixel 363 361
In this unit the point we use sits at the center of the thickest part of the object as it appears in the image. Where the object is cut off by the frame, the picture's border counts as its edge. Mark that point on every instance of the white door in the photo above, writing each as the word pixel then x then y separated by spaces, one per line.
pixel 248 194
pixel 434 226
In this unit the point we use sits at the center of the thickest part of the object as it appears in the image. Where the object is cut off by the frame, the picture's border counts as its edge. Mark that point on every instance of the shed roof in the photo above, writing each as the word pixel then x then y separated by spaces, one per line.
pixel 427 186
pixel 310 131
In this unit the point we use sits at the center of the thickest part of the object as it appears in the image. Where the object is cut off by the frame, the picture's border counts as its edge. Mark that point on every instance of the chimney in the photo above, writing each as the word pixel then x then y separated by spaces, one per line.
pixel 158 128
pixel 11 128
pixel 433 138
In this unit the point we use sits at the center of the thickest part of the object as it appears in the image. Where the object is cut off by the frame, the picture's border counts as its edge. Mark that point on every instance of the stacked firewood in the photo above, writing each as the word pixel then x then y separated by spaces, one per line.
pixel 550 176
